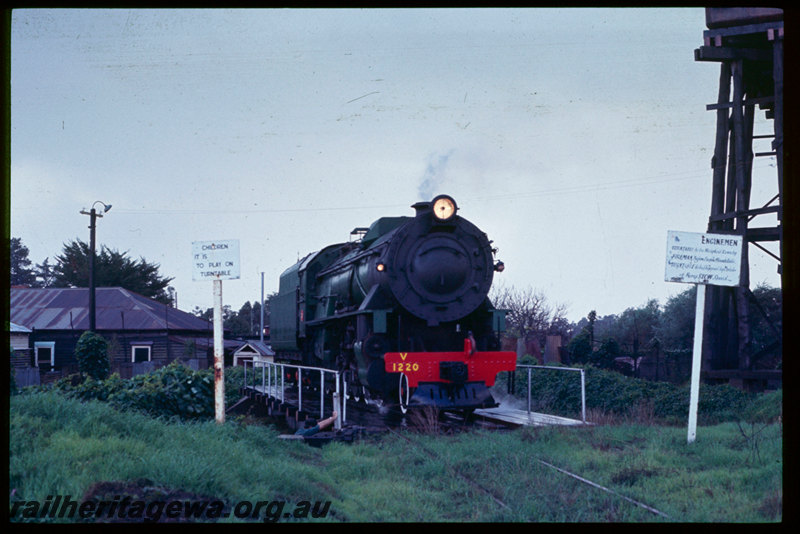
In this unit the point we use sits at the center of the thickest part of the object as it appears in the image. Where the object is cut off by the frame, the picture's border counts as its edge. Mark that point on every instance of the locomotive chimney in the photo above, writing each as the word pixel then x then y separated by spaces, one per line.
pixel 422 208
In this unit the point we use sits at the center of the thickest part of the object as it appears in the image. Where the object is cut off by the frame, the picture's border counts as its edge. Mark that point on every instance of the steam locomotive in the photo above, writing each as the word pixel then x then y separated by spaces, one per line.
pixel 402 311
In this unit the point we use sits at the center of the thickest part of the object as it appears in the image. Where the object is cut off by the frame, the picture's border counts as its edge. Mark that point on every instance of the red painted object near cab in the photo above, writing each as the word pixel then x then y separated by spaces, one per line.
pixel 426 366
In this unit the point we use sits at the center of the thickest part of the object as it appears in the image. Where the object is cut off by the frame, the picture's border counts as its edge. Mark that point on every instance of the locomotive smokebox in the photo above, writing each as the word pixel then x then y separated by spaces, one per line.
pixel 442 265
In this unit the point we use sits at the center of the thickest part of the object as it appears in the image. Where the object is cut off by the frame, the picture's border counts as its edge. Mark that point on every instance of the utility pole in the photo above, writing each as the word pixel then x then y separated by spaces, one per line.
pixel 261 335
pixel 93 215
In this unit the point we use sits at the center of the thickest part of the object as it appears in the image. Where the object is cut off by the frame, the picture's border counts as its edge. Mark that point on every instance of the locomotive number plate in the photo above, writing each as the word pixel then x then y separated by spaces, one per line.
pixel 402 367
pixel 413 365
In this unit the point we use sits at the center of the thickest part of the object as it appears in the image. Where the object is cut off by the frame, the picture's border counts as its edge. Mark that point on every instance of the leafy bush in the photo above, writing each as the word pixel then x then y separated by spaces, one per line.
pixel 174 390
pixel 580 348
pixel 171 391
pixel 766 408
pixel 91 351
pixel 89 388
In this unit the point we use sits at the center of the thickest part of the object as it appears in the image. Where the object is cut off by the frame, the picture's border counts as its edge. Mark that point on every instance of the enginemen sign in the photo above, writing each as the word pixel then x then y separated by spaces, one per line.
pixel 215 260
pixel 694 258
pixel 702 259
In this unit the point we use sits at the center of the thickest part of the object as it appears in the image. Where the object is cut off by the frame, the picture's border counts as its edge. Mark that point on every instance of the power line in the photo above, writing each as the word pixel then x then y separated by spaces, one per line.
pixel 262 210
pixel 584 188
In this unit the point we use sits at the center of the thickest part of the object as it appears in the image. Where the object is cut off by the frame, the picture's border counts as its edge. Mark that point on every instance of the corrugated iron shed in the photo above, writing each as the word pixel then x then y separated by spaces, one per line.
pixel 116 309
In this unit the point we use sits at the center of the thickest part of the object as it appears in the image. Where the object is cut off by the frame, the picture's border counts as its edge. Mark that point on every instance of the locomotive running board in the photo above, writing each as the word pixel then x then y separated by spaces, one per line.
pixel 426 366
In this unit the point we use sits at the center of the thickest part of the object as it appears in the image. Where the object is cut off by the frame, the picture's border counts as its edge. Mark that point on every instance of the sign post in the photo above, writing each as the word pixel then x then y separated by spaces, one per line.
pixel 217 261
pixel 697 356
pixel 702 259
pixel 219 355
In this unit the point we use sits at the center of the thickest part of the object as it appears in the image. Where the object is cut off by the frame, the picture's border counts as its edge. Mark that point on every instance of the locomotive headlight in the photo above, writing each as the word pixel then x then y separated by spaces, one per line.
pixel 444 207
pixel 380 267
pixel 499 266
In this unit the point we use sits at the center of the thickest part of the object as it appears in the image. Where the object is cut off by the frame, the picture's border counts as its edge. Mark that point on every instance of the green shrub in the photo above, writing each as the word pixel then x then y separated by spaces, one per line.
pixel 91 351
pixel 559 393
pixel 90 388
pixel 170 391
pixel 580 347
pixel 174 390
pixel 765 408
pixel 722 402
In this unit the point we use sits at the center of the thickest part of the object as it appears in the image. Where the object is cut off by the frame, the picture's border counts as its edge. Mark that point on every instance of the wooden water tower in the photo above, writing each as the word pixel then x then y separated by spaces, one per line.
pixel 748 45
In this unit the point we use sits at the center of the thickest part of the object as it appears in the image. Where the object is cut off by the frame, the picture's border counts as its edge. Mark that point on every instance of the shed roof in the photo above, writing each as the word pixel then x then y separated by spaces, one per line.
pixel 15 328
pixel 258 347
pixel 116 308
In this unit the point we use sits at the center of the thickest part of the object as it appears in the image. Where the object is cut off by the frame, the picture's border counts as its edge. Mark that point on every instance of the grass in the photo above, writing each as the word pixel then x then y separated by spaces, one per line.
pixel 60 446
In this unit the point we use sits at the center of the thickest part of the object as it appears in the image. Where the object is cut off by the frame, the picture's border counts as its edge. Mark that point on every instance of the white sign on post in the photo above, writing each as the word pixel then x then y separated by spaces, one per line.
pixel 702 259
pixel 694 258
pixel 217 261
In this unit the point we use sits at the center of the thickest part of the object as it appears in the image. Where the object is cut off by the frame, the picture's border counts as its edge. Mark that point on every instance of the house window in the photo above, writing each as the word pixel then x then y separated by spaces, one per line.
pixel 44 354
pixel 140 353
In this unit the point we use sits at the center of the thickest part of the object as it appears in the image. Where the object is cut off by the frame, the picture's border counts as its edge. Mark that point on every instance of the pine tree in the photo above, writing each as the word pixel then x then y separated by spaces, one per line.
pixel 111 269
pixel 21 272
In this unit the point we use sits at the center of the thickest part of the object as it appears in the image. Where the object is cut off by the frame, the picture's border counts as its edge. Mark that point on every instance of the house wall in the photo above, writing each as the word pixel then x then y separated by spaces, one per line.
pixel 163 350
pixel 64 349
pixel 18 341
pixel 22 358
pixel 21 354
pixel 190 348
pixel 121 344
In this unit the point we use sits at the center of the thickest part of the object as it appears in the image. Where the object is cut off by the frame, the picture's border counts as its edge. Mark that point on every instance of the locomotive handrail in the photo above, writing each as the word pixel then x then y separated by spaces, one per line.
pixel 554 368
pixel 346 262
pixel 271 369
pixel 353 313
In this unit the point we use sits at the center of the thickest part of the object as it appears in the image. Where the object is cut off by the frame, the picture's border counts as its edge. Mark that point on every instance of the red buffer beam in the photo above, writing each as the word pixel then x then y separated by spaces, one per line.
pixel 426 366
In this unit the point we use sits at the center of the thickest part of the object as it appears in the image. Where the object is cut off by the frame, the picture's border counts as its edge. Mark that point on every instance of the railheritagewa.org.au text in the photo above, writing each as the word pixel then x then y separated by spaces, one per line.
pixel 127 509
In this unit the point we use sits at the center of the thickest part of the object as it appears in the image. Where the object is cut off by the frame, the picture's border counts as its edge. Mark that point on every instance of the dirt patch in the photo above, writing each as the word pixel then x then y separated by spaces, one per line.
pixel 630 476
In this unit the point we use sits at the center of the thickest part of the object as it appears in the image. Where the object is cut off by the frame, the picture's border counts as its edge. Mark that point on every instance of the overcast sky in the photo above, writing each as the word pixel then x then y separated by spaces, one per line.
pixel 575 138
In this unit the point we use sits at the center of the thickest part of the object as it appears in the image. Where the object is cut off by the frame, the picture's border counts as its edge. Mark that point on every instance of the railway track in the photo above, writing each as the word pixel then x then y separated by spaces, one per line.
pixel 363 416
